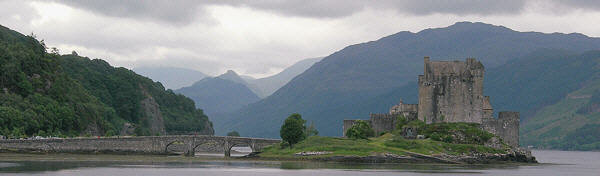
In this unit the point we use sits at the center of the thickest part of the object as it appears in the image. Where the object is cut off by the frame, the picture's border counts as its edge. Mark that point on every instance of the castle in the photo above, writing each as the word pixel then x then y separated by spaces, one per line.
pixel 450 91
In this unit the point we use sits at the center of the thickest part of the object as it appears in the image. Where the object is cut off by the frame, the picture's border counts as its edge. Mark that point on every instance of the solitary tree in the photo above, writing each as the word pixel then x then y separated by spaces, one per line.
pixel 360 130
pixel 292 130
pixel 233 133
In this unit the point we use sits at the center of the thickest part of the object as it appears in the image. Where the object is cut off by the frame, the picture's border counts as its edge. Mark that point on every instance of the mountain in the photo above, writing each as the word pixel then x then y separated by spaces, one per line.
pixel 344 84
pixel 225 93
pixel 48 94
pixel 270 84
pixel 232 76
pixel 171 77
pixel 565 88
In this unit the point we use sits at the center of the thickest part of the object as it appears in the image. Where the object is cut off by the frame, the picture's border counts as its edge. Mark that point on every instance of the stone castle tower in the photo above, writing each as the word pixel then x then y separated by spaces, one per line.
pixel 450 91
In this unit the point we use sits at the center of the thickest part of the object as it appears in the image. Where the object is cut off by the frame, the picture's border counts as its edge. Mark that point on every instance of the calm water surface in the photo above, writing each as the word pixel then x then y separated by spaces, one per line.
pixel 554 163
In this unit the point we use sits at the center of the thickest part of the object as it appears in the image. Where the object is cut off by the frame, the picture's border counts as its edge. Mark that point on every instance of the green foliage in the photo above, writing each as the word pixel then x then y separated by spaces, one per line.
pixel 51 95
pixel 584 138
pixel 416 124
pixel 37 98
pixel 292 130
pixel 428 146
pixel 311 130
pixel 233 133
pixel 360 130
pixel 457 133
pixel 142 131
pixel 123 90
pixel 401 121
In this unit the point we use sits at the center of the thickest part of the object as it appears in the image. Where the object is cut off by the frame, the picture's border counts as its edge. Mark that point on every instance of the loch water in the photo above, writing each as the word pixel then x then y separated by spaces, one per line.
pixel 551 163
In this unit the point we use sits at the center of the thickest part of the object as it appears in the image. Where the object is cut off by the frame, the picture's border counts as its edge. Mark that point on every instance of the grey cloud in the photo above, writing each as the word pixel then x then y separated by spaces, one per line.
pixel 582 4
pixel 180 12
pixel 459 7
pixel 188 11
pixel 17 15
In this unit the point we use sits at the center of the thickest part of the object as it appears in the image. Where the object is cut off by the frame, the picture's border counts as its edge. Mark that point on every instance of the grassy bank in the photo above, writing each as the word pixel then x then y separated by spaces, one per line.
pixel 386 144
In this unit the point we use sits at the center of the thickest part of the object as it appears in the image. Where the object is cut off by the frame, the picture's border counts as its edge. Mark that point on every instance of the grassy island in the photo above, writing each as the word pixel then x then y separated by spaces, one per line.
pixel 452 142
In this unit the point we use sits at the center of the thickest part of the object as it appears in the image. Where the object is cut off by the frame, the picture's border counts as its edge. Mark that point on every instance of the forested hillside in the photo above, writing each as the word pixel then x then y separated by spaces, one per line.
pixel 51 95
pixel 125 92
pixel 39 99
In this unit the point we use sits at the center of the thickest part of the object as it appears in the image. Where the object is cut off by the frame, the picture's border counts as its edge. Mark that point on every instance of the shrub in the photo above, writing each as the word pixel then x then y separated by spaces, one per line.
pixel 458 133
pixel 401 121
pixel 233 133
pixel 360 130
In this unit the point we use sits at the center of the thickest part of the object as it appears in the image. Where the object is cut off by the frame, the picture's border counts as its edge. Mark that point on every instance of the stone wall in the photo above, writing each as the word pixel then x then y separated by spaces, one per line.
pixel 488 111
pixel 506 126
pixel 383 123
pixel 451 91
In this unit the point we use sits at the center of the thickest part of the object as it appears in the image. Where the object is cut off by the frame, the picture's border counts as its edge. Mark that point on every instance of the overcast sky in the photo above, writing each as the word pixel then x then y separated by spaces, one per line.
pixel 260 38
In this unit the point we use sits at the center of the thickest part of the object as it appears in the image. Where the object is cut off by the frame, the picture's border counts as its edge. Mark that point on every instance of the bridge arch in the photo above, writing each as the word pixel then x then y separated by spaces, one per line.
pixel 173 142
pixel 216 143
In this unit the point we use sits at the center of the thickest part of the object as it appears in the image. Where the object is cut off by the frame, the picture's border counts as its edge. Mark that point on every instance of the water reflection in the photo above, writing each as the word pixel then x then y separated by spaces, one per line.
pixel 570 163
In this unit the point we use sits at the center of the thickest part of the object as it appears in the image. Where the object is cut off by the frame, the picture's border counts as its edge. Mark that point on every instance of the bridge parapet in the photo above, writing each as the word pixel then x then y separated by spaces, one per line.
pixel 188 144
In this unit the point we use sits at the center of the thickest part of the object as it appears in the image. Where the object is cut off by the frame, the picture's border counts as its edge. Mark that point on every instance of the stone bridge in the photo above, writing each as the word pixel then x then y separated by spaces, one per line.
pixel 187 144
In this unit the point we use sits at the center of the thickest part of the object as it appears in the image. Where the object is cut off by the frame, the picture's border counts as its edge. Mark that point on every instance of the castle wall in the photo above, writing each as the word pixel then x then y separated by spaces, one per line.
pixel 401 107
pixel 383 123
pixel 488 111
pixel 451 91
pixel 506 126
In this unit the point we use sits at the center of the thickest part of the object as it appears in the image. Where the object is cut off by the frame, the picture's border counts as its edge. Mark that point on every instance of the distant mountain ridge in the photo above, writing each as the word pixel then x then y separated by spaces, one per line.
pixel 365 78
pixel 171 77
pixel 225 93
pixel 269 85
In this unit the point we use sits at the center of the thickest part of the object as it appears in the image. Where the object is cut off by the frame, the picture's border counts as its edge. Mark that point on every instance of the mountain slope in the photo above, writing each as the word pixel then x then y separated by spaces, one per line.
pixel 51 95
pixel 539 79
pixel 357 73
pixel 137 99
pixel 37 98
pixel 569 91
pixel 171 77
pixel 269 85
pixel 225 93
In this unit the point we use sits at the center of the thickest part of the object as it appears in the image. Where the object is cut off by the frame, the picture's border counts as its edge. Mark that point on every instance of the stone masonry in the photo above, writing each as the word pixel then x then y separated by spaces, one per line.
pixel 450 91
pixel 186 144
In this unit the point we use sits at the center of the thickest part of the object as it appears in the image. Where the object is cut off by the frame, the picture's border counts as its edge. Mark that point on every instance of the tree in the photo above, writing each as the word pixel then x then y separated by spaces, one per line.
pixel 292 130
pixel 360 130
pixel 401 121
pixel 311 130
pixel 233 133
